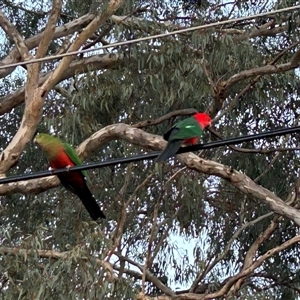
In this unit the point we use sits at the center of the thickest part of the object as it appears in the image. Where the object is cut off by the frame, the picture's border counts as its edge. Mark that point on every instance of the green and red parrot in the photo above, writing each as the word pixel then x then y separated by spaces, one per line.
pixel 186 131
pixel 62 155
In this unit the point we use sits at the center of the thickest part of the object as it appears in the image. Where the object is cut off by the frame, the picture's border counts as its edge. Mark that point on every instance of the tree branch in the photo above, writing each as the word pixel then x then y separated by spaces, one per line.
pixel 261 32
pixel 33 108
pixel 116 236
pixel 210 266
pixel 52 254
pixel 149 275
pixel 13 33
pixel 148 255
pixel 34 41
pixel 269 69
pixel 50 28
pixel 105 265
pixel 251 268
pixel 53 79
pixel 143 139
pixel 248 261
pixel 97 62
pixel 250 85
pixel 277 281
pixel 34 97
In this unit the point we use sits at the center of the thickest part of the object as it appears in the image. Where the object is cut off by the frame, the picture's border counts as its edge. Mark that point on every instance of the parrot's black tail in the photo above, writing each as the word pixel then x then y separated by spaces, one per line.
pixel 170 150
pixel 91 205
pixel 80 188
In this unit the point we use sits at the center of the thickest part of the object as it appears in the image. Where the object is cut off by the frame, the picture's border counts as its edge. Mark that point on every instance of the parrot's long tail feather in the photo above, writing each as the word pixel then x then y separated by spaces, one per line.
pixel 170 150
pixel 89 202
pixel 81 189
pixel 91 205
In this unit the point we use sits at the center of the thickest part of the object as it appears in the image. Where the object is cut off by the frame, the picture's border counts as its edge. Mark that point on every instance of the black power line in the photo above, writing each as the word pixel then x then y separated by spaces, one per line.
pixel 125 160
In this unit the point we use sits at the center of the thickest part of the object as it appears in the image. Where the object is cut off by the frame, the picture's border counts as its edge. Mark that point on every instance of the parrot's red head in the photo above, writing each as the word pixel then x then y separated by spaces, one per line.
pixel 203 119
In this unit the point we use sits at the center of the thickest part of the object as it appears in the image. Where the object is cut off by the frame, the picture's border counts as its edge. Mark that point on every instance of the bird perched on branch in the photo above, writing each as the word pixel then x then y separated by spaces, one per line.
pixel 186 131
pixel 62 155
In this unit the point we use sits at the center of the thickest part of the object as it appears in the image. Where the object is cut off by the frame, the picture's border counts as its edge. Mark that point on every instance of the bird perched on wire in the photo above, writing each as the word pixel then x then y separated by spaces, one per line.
pixel 63 155
pixel 186 131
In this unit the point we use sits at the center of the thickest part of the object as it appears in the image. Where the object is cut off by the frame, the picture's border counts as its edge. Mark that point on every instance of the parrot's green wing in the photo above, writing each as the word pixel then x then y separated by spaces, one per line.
pixel 70 151
pixel 184 129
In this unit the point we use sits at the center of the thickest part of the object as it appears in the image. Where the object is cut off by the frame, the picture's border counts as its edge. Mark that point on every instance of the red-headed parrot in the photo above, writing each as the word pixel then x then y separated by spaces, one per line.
pixel 186 131
pixel 62 155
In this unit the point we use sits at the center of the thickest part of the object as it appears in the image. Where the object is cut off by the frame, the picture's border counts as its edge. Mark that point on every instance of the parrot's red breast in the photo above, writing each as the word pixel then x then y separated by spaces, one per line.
pixel 62 160
pixel 191 141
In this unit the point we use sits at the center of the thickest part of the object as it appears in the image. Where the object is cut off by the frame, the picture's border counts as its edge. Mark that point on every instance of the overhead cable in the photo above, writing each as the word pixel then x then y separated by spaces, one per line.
pixel 126 160
pixel 128 42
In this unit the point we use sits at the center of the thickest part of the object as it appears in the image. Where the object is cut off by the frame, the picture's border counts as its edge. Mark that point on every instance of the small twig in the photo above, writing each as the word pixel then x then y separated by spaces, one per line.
pixel 209 78
pixel 146 265
pixel 119 230
pixel 253 249
pixel 14 35
pixel 127 178
pixel 108 28
pixel 175 113
pixel 251 84
pixel 58 88
pixel 209 267
pixel 275 157
pixel 51 254
pixel 247 150
pixel 99 38
pixel 251 268
pixel 277 281
pixel 163 236
pixel 265 235
pixel 173 176
pixel 149 275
